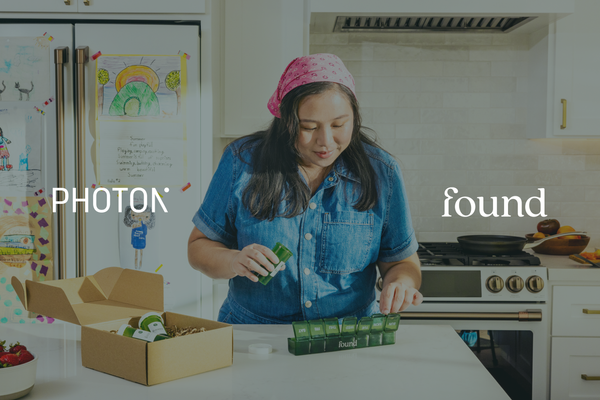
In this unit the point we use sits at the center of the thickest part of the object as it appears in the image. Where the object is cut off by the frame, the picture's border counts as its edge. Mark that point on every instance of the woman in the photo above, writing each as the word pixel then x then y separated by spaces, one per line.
pixel 316 183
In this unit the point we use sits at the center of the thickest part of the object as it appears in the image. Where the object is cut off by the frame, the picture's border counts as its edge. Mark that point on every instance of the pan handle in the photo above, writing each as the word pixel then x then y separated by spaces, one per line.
pixel 538 242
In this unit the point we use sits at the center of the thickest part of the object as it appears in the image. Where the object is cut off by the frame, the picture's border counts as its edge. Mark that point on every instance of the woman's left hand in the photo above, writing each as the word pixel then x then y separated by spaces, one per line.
pixel 400 280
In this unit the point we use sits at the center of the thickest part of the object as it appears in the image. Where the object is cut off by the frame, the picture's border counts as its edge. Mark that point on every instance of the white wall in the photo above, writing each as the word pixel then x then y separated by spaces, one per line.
pixel 452 108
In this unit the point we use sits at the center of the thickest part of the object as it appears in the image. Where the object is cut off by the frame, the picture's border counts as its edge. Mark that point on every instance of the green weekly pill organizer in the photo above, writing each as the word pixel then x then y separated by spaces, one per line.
pixel 324 335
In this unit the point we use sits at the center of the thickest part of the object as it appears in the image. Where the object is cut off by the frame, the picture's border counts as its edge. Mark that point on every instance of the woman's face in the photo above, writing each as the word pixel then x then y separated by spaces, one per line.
pixel 326 125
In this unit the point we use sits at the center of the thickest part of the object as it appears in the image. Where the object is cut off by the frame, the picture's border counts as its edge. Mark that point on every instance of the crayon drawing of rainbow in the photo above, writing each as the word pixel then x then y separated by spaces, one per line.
pixel 139 86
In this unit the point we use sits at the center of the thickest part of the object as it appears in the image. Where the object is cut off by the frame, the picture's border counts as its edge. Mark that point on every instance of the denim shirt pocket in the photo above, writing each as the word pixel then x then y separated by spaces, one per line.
pixel 346 241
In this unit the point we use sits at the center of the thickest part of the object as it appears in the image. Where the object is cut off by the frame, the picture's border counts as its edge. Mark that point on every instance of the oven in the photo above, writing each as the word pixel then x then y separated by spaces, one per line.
pixel 498 304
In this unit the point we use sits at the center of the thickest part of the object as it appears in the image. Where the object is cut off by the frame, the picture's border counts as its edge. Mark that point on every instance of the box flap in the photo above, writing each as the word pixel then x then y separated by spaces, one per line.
pixel 112 293
pixel 45 300
pixel 137 288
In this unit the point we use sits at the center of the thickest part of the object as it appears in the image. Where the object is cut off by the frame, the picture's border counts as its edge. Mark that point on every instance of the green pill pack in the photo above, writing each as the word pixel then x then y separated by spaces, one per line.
pixel 326 335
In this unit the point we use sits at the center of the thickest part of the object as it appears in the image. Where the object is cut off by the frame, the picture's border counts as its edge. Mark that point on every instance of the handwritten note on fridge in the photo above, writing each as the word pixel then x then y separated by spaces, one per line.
pixel 141 154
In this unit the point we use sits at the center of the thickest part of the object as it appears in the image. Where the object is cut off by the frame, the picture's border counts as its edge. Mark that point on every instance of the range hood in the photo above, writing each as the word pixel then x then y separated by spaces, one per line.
pixel 479 16
pixel 379 23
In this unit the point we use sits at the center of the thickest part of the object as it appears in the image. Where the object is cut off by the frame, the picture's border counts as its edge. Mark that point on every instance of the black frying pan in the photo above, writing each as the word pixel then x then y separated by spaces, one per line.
pixel 492 244
pixel 499 244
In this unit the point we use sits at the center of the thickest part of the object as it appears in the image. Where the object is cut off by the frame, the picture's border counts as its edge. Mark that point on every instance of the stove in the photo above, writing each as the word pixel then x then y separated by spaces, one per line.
pixel 451 274
pixel 451 254
pixel 503 297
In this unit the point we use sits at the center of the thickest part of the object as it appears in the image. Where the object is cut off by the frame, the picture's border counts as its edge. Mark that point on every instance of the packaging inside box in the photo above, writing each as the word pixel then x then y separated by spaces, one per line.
pixel 114 296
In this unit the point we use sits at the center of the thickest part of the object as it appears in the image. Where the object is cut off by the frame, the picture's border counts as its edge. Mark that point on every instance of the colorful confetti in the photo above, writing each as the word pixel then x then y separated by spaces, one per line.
pixel 98 54
pixel 186 187
pixel 158 268
pixel 39 192
pixel 186 55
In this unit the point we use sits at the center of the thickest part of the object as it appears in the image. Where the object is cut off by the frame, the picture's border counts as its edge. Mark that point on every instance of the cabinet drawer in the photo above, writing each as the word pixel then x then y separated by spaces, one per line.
pixel 572 358
pixel 568 315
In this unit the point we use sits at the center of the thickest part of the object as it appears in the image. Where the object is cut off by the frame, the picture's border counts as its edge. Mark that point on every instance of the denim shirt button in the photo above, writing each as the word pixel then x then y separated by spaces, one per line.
pixel 308 236
pixel 308 304
pixel 312 206
pixel 306 271
pixel 330 179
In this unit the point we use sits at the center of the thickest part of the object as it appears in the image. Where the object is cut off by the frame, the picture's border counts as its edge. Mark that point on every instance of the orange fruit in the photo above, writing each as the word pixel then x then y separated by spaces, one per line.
pixel 567 229
pixel 539 235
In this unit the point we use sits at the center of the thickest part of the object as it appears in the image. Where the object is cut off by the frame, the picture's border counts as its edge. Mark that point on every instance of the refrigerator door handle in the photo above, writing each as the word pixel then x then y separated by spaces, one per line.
pixel 61 57
pixel 81 56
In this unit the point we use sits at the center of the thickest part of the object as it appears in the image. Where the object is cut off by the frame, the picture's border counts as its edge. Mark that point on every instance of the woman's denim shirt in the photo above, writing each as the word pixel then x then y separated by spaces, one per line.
pixel 332 272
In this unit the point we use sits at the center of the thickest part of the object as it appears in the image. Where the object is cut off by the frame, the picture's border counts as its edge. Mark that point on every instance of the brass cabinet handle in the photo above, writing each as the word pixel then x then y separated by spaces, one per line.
pixel 564 119
pixel 82 58
pixel 67 2
pixel 586 311
pixel 590 378
pixel 61 56
pixel 86 2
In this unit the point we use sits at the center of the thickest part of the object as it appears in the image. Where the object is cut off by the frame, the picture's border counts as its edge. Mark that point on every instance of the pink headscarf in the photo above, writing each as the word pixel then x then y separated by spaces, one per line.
pixel 314 68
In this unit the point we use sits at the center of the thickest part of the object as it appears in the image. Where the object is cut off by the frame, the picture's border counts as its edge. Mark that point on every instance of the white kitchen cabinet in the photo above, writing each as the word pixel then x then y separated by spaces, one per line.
pixel 261 39
pixel 105 6
pixel 142 6
pixel 63 6
pixel 572 51
pixel 575 361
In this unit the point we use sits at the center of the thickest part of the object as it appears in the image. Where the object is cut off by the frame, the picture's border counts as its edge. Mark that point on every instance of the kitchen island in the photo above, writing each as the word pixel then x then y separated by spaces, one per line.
pixel 427 362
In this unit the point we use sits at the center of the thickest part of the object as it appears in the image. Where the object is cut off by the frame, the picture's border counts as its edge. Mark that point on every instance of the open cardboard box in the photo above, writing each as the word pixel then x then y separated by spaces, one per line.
pixel 114 296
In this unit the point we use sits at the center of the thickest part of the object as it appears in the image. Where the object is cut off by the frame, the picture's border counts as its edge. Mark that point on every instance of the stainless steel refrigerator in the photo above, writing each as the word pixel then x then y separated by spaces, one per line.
pixel 100 106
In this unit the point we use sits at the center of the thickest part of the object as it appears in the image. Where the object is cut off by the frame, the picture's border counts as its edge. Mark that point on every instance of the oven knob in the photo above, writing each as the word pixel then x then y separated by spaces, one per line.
pixel 514 284
pixel 494 284
pixel 535 284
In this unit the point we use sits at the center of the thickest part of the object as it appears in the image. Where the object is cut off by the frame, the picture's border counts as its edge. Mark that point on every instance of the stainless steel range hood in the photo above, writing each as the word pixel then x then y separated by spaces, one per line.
pixel 382 23
pixel 477 16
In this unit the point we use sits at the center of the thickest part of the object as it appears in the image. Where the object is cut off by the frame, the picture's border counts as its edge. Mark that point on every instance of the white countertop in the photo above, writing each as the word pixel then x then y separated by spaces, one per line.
pixel 562 268
pixel 427 362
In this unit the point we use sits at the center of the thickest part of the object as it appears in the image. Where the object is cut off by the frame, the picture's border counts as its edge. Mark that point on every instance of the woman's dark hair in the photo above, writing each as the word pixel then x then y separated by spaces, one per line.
pixel 275 178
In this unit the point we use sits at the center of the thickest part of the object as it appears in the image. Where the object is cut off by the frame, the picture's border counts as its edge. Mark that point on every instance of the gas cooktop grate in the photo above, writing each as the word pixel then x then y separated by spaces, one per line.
pixel 451 254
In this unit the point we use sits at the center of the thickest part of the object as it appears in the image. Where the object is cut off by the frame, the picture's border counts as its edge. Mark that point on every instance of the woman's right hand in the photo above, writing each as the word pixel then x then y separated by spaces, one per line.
pixel 253 258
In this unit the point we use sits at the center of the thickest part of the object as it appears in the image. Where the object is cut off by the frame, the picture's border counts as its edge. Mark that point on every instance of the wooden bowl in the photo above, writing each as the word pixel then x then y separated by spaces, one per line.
pixel 559 246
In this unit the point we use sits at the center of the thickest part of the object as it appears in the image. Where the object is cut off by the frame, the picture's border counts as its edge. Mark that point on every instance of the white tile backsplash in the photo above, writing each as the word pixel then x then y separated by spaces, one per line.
pixel 452 108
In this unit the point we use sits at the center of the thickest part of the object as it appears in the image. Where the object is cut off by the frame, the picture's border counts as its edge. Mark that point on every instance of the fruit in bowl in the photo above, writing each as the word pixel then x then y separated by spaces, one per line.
pixel 17 371
pixel 549 226
pixel 559 246
pixel 566 229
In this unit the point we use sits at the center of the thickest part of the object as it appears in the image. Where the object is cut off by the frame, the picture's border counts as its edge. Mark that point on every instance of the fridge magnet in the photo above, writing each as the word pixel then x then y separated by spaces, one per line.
pixel 20 151
pixel 25 69
pixel 25 250
pixel 138 245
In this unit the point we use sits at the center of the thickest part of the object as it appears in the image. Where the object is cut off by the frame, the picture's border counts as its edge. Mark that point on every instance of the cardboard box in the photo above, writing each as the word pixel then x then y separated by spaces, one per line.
pixel 114 296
